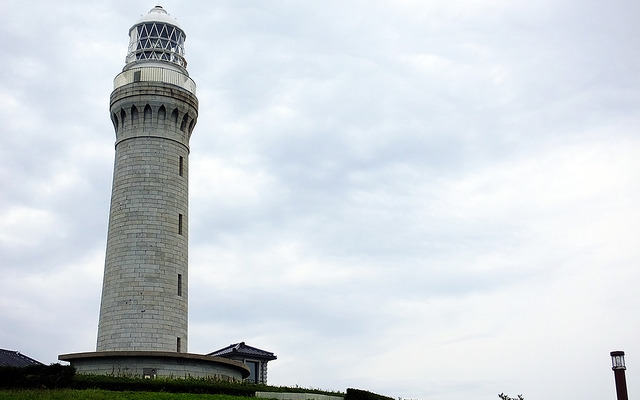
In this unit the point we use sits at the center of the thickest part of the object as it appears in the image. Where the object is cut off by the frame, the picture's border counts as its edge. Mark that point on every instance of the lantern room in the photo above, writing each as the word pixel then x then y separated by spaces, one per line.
pixel 156 37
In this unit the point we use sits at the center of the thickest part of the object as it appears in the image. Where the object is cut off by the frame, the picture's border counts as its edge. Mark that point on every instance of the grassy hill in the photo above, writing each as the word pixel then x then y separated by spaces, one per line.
pixel 57 382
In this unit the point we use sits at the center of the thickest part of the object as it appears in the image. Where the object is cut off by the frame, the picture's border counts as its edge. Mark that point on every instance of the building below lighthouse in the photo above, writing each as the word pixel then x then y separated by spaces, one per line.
pixel 143 324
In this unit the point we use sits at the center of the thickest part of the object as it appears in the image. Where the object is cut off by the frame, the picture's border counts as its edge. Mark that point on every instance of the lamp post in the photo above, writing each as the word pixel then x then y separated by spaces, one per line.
pixel 617 361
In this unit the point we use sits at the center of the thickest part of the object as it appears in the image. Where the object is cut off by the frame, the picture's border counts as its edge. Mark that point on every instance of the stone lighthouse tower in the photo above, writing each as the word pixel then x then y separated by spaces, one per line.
pixel 143 324
pixel 154 110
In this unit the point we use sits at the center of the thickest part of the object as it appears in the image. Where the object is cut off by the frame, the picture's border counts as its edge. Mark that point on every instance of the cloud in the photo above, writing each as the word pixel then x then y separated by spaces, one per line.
pixel 422 199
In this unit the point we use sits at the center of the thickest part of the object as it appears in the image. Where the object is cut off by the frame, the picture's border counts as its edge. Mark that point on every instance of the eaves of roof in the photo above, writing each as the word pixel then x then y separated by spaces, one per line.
pixel 241 349
pixel 11 358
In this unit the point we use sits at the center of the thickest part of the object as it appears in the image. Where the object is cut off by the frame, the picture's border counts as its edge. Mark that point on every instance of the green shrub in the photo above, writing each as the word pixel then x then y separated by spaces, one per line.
pixel 182 385
pixel 357 394
pixel 185 385
pixel 37 376
pixel 57 376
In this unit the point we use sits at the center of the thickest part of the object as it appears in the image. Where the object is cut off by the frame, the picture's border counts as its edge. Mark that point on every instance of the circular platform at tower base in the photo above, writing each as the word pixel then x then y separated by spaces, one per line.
pixel 156 364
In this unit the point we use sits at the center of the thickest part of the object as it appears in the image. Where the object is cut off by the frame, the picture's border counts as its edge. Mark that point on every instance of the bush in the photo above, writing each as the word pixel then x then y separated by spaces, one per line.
pixel 57 376
pixel 181 385
pixel 36 376
pixel 357 394
pixel 186 385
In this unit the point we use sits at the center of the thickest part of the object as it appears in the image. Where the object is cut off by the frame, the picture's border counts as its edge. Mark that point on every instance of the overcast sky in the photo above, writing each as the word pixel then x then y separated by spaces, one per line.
pixel 425 199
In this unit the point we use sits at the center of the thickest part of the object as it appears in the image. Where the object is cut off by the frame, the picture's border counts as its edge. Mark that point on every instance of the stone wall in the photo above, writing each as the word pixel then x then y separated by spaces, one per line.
pixel 296 396
pixel 156 364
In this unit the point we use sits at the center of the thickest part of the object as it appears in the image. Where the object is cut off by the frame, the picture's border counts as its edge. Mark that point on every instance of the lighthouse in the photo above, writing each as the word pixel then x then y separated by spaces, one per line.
pixel 154 110
pixel 143 323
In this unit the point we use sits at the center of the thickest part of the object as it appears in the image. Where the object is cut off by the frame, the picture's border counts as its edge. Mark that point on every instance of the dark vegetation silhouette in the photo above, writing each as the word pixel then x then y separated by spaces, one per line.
pixel 505 397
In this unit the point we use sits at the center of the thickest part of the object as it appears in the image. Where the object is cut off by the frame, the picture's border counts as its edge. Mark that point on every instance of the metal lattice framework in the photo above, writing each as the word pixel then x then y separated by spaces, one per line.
pixel 157 41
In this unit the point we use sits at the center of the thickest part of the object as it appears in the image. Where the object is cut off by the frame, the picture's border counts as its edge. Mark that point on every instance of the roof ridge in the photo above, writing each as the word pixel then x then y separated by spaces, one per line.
pixel 242 348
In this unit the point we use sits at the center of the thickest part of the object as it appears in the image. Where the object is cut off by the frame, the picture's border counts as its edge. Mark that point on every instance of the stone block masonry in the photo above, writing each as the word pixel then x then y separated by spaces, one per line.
pixel 145 289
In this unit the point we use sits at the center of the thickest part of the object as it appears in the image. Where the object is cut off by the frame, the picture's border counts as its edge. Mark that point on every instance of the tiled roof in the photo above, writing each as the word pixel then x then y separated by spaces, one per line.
pixel 10 358
pixel 241 349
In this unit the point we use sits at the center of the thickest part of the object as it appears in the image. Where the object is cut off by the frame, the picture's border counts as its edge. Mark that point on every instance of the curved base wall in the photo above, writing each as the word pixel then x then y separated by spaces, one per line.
pixel 155 364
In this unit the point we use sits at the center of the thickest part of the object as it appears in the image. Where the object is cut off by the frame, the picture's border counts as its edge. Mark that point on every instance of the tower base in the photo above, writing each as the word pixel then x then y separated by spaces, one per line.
pixel 156 364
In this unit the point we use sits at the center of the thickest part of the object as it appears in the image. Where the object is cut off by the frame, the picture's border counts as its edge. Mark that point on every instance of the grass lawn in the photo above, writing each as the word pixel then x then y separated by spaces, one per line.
pixel 94 394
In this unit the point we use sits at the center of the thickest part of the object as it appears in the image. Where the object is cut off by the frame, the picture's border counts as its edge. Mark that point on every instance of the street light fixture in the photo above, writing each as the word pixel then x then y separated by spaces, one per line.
pixel 617 359
pixel 618 366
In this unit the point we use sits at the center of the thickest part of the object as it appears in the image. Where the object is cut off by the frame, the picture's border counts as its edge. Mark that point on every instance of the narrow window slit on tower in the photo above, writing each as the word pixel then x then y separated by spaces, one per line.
pixel 183 125
pixel 179 284
pixel 134 115
pixel 181 165
pixel 147 113
pixel 178 345
pixel 179 224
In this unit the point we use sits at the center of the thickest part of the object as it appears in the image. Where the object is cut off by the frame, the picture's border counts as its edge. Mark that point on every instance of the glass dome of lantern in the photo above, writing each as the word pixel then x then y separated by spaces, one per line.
pixel 156 37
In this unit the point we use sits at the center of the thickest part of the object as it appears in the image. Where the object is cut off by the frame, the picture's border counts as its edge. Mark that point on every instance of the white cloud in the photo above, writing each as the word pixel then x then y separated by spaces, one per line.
pixel 423 199
pixel 27 227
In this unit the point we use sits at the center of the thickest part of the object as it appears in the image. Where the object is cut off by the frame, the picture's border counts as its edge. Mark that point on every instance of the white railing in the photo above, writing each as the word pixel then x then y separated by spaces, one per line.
pixel 155 74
